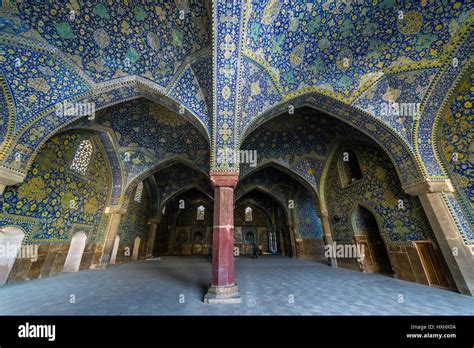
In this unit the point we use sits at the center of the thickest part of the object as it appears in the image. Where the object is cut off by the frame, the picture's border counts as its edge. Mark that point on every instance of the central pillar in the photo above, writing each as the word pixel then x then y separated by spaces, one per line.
pixel 153 223
pixel 223 288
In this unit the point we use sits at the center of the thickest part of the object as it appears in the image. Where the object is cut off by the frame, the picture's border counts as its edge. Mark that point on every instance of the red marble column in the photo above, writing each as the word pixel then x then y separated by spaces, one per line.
pixel 223 288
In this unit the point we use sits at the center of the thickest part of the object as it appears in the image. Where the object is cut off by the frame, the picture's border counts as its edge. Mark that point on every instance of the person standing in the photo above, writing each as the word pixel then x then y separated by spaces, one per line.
pixel 209 254
pixel 254 249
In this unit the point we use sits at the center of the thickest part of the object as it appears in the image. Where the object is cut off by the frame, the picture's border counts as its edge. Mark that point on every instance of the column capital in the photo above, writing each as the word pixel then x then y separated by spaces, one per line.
pixel 154 220
pixel 9 177
pixel 324 213
pixel 429 186
pixel 224 179
pixel 115 210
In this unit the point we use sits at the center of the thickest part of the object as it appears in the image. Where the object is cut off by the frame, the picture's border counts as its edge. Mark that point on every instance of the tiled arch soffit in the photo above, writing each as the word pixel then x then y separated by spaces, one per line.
pixel 227 125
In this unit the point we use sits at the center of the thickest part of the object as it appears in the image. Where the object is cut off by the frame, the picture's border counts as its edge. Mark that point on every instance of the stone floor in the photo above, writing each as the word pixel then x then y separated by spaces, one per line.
pixel 269 286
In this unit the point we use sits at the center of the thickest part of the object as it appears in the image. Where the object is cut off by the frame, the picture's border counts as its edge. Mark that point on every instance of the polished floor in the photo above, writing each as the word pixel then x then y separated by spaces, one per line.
pixel 269 286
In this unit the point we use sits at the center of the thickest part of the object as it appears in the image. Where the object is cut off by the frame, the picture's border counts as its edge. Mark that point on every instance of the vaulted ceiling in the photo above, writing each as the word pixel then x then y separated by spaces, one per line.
pixel 110 39
pixel 340 45
pixel 230 65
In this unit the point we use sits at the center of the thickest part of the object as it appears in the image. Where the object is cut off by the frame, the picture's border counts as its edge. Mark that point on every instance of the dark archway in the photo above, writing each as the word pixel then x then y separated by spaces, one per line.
pixel 185 224
pixel 368 235
pixel 198 241
pixel 296 223
pixel 268 227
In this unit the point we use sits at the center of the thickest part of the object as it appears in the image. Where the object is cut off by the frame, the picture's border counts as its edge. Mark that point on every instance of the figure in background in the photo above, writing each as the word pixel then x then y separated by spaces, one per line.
pixel 254 252
pixel 209 253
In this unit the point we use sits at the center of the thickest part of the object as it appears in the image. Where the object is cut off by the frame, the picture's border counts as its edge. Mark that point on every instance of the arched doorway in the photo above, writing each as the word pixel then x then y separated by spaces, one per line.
pixel 367 234
pixel 10 245
pixel 197 246
pixel 182 237
pixel 269 226
pixel 186 220
pixel 293 228
pixel 256 215
pixel 249 238
pixel 74 255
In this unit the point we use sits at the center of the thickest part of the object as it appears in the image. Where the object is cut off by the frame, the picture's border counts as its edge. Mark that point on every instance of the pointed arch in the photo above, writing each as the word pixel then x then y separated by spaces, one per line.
pixel 104 95
pixel 406 163
pixel 282 167
pixel 168 162
pixel 184 190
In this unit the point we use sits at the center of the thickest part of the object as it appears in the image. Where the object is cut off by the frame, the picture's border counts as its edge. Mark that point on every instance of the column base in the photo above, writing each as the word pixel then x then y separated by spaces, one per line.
pixel 99 266
pixel 333 262
pixel 222 295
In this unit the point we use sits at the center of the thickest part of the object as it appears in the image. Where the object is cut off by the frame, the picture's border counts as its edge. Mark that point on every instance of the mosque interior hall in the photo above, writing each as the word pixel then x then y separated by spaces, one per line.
pixel 237 154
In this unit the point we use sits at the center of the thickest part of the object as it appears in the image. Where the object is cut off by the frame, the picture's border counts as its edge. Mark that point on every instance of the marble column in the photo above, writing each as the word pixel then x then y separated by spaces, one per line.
pixel 112 230
pixel 223 288
pixel 327 234
pixel 457 254
pixel 153 226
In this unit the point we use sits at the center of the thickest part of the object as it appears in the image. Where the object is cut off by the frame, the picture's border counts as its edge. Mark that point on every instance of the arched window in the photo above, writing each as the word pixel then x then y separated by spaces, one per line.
pixel 198 237
pixel 82 157
pixel 248 214
pixel 138 192
pixel 200 213
pixel 349 168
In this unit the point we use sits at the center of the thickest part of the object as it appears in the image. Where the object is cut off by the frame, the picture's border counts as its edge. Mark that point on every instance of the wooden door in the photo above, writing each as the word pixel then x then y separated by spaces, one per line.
pixel 431 264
